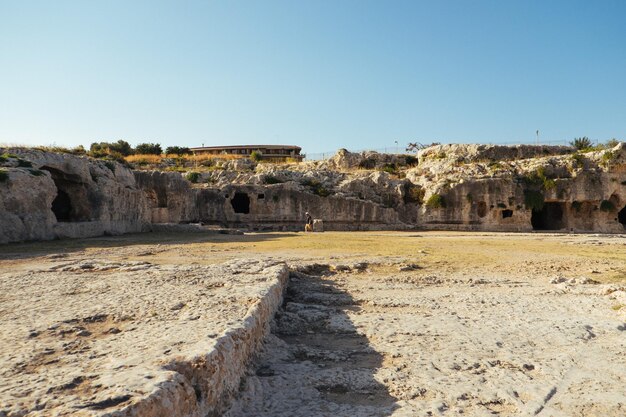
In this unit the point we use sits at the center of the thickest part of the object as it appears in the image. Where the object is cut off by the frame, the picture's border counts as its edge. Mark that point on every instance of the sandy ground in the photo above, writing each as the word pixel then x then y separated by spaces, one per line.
pixel 435 323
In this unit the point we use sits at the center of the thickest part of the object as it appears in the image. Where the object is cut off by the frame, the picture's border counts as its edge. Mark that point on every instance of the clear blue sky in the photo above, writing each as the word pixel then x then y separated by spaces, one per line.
pixel 319 74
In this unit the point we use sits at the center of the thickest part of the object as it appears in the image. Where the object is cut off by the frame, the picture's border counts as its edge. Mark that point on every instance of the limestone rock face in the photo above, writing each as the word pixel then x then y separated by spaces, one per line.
pixel 377 186
pixel 240 164
pixel 477 153
pixel 25 201
pixel 460 187
pixel 345 160
pixel 132 336
pixel 170 198
pixel 283 207
pixel 478 191
pixel 61 195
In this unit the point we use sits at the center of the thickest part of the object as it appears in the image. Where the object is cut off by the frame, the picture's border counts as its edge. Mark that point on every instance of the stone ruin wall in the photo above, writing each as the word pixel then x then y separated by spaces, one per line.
pixel 65 196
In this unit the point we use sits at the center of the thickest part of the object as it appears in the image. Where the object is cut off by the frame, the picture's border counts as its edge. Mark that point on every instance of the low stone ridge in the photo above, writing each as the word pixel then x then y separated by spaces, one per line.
pixel 96 338
pixel 46 195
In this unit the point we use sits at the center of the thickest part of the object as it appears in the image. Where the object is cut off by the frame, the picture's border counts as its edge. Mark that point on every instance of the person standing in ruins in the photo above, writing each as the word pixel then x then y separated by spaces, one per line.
pixel 308 226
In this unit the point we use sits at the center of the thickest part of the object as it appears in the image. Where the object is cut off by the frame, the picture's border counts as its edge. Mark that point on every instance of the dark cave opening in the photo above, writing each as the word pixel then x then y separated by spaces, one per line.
pixel 241 203
pixel 550 217
pixel 507 213
pixel 62 207
pixel 621 217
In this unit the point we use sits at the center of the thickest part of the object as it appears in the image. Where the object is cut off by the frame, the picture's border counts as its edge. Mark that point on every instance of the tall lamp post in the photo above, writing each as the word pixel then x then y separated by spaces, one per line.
pixel 396 142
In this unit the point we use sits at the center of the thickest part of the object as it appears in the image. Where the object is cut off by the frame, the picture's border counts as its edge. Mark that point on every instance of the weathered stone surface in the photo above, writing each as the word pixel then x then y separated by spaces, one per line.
pixel 347 161
pixel 373 324
pixel 422 342
pixel 169 196
pixel 573 190
pixel 25 202
pixel 283 206
pixel 478 153
pixel 59 195
pixel 97 337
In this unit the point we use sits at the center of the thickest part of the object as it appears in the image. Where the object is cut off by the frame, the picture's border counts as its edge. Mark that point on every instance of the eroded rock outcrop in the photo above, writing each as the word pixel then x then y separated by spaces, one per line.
pixel 48 195
pixel 573 191
pixel 45 195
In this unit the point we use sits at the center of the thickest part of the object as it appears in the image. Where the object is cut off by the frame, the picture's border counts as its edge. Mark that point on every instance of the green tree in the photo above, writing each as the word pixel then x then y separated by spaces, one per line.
pixel 148 149
pixel 177 150
pixel 101 149
pixel 581 143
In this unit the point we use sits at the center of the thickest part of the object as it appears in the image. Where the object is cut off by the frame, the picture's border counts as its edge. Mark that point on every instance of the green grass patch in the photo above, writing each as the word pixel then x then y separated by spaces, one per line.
pixel 193 177
pixel 532 179
pixel 539 180
pixel 578 159
pixel 549 184
pixel 533 200
pixel 607 158
pixel 256 156
pixel 435 201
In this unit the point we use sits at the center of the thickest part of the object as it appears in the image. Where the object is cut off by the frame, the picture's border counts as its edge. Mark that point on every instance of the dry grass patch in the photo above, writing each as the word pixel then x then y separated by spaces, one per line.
pixel 144 159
